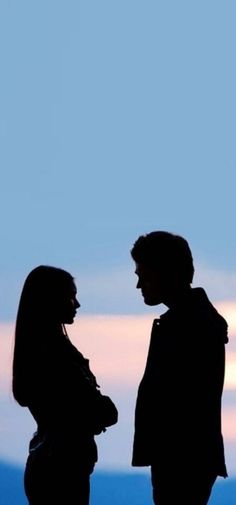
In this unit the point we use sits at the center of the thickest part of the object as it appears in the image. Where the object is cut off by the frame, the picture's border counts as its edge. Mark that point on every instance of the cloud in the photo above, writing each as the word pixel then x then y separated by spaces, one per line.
pixel 229 422
pixel 228 309
pixel 6 350
pixel 116 346
pixel 219 284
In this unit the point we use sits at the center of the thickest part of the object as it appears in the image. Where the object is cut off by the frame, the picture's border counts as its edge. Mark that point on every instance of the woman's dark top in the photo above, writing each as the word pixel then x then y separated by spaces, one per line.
pixel 64 398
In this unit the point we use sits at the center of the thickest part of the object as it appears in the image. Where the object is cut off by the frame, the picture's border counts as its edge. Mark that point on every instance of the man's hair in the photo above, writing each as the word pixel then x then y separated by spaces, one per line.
pixel 166 252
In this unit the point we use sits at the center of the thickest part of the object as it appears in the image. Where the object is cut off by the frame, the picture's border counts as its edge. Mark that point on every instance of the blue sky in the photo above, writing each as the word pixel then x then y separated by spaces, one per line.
pixel 116 118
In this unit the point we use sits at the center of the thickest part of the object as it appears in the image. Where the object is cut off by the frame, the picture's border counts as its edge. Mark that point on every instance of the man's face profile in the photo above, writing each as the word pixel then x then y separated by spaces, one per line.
pixel 150 281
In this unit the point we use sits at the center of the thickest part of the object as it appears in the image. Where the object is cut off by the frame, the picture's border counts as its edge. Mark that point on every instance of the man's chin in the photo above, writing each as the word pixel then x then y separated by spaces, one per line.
pixel 150 301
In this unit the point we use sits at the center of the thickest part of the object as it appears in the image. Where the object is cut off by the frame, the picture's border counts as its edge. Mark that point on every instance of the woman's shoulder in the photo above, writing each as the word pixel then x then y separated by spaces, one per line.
pixel 70 350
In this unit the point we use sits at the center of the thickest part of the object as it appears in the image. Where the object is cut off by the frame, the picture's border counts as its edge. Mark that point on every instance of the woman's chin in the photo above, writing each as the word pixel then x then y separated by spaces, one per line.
pixel 69 320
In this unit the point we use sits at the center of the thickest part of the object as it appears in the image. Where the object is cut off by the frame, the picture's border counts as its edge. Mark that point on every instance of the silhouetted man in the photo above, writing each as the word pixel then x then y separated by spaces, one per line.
pixel 178 409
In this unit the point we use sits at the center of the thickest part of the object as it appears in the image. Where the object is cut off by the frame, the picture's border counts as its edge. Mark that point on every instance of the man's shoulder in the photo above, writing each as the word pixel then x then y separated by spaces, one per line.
pixel 195 313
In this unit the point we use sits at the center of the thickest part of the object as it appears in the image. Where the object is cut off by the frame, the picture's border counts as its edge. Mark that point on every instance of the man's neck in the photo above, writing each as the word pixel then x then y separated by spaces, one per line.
pixel 176 295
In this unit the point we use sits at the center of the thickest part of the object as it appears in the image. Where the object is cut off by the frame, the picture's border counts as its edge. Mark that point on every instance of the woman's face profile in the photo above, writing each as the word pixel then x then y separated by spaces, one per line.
pixel 68 304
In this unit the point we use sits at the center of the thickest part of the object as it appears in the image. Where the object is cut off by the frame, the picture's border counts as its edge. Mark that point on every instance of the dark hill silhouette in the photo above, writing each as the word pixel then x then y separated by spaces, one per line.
pixel 123 488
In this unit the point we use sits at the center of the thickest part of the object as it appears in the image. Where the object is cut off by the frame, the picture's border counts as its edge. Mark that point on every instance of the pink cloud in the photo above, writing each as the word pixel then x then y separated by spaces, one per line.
pixel 229 422
pixel 228 310
pixel 6 351
pixel 117 346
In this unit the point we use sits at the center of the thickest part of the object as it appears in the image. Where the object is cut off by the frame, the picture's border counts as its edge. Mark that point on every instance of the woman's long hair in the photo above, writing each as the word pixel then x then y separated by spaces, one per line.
pixel 37 323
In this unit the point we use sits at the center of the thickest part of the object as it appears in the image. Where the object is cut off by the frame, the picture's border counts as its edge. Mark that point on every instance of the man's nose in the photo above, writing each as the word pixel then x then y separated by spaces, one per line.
pixel 138 286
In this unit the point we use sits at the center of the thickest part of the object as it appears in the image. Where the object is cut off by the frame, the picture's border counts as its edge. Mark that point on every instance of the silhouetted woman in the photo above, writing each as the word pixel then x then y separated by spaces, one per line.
pixel 53 379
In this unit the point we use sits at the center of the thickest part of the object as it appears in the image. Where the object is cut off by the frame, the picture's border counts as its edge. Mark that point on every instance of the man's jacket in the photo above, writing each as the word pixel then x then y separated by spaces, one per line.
pixel 178 409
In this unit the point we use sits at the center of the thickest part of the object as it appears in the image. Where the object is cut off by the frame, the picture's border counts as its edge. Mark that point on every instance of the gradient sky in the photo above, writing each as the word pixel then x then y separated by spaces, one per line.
pixel 116 118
